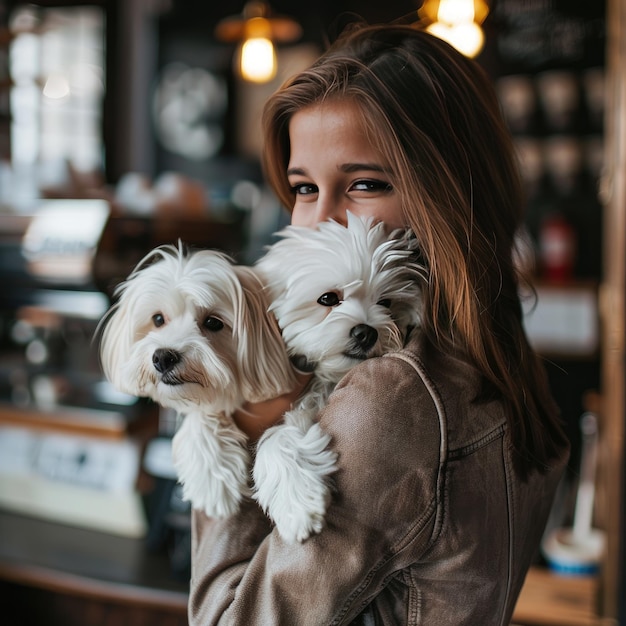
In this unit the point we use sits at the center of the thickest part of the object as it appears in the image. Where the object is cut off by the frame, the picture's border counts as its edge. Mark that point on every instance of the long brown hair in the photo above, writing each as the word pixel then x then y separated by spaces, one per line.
pixel 434 117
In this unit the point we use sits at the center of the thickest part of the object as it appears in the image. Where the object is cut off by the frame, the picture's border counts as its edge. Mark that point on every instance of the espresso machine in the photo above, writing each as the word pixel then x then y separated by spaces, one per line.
pixel 63 427
pixel 50 308
pixel 60 269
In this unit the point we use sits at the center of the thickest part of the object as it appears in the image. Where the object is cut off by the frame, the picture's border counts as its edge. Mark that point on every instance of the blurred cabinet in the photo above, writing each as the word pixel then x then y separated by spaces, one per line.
pixel 548 62
pixel 550 78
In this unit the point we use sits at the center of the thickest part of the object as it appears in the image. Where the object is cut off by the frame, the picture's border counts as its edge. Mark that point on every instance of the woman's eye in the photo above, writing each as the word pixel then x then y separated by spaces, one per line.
pixel 304 189
pixel 329 299
pixel 213 324
pixel 372 186
pixel 158 319
pixel 386 302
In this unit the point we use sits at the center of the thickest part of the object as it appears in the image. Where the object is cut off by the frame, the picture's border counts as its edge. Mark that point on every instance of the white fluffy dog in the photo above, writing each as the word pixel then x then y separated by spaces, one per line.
pixel 192 331
pixel 340 295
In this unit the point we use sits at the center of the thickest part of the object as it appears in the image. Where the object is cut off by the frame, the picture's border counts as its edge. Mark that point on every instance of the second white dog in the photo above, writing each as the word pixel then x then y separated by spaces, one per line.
pixel 340 295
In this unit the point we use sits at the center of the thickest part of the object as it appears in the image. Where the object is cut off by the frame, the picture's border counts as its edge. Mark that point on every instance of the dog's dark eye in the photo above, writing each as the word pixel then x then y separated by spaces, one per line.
pixel 158 319
pixel 329 299
pixel 213 323
pixel 386 302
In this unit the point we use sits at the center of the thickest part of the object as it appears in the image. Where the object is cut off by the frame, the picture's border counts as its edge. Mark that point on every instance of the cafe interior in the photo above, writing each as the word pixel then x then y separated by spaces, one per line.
pixel 127 124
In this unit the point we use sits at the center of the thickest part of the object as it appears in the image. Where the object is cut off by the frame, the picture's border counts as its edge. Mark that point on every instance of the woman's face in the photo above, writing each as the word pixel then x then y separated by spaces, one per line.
pixel 333 168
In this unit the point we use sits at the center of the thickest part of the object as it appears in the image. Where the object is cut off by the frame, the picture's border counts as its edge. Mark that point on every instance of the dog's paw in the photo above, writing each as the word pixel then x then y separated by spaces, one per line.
pixel 213 466
pixel 299 524
pixel 290 478
pixel 220 505
pixel 215 494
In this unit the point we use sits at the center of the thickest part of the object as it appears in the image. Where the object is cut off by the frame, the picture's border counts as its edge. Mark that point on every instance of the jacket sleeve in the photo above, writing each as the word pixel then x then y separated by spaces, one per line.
pixel 386 428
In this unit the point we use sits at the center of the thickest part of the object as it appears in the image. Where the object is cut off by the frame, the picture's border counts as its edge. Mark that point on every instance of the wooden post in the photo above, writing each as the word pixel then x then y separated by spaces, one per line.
pixel 613 197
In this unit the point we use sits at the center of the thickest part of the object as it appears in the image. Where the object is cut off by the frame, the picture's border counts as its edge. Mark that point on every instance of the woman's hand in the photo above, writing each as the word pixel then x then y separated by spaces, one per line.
pixel 255 418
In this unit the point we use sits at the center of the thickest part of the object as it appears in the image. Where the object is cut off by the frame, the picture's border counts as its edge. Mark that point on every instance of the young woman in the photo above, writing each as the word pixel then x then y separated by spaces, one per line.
pixel 450 451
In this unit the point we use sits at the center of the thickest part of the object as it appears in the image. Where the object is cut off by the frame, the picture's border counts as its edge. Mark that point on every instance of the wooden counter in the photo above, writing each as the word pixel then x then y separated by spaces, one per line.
pixel 550 600
pixel 103 574
pixel 136 586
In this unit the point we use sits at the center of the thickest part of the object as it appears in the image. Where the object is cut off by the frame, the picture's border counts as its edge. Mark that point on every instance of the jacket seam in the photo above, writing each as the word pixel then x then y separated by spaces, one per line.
pixel 477 444
pixel 395 549
pixel 435 506
pixel 415 598
pixel 511 517
pixel 414 361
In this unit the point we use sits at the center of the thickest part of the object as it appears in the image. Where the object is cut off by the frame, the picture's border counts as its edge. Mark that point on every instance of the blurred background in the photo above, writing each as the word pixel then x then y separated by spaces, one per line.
pixel 126 124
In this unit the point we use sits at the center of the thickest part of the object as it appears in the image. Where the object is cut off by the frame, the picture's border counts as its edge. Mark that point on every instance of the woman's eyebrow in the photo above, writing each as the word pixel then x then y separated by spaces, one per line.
pixel 345 167
pixel 358 167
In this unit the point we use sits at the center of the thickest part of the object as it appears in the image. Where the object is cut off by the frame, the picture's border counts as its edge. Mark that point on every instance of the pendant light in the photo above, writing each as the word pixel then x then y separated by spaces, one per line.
pixel 456 21
pixel 257 30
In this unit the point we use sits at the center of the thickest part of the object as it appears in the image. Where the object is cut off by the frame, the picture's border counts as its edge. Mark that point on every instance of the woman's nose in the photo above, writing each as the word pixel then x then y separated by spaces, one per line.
pixel 329 208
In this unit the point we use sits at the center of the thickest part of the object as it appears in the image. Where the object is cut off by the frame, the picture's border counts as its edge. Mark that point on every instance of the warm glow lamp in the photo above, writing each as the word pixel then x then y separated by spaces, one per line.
pixel 456 21
pixel 257 60
pixel 257 30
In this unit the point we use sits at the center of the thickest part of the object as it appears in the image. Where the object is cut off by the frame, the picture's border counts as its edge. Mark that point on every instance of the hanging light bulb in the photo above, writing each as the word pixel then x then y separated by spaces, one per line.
pixel 257 60
pixel 455 11
pixel 466 37
pixel 257 30
pixel 458 22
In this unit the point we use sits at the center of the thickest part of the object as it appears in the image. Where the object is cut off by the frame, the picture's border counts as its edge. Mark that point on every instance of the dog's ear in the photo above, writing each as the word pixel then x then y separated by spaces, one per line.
pixel 410 254
pixel 116 331
pixel 411 242
pixel 262 357
pixel 114 335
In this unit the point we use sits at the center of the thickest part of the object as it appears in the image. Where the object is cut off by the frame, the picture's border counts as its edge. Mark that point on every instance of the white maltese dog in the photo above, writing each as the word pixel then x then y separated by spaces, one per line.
pixel 192 331
pixel 340 295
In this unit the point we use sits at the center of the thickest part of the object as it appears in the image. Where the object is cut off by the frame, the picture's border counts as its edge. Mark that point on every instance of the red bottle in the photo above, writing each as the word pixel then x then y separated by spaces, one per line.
pixel 557 245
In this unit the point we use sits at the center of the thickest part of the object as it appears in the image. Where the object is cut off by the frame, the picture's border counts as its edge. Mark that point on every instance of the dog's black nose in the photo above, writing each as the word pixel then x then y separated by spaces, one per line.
pixel 164 360
pixel 364 335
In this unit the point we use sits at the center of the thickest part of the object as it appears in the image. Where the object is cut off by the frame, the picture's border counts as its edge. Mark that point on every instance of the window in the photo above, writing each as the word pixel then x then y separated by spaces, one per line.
pixel 56 63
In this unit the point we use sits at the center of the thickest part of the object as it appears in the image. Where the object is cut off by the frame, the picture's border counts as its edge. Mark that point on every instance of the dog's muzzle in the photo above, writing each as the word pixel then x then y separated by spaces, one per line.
pixel 164 361
pixel 362 339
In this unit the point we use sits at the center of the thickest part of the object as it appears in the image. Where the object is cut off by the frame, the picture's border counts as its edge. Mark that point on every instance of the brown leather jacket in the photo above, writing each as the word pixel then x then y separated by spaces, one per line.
pixel 429 523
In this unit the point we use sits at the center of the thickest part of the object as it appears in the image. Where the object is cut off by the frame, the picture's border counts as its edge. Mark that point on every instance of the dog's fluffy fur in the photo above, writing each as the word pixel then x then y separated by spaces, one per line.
pixel 340 295
pixel 196 333
pixel 192 331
